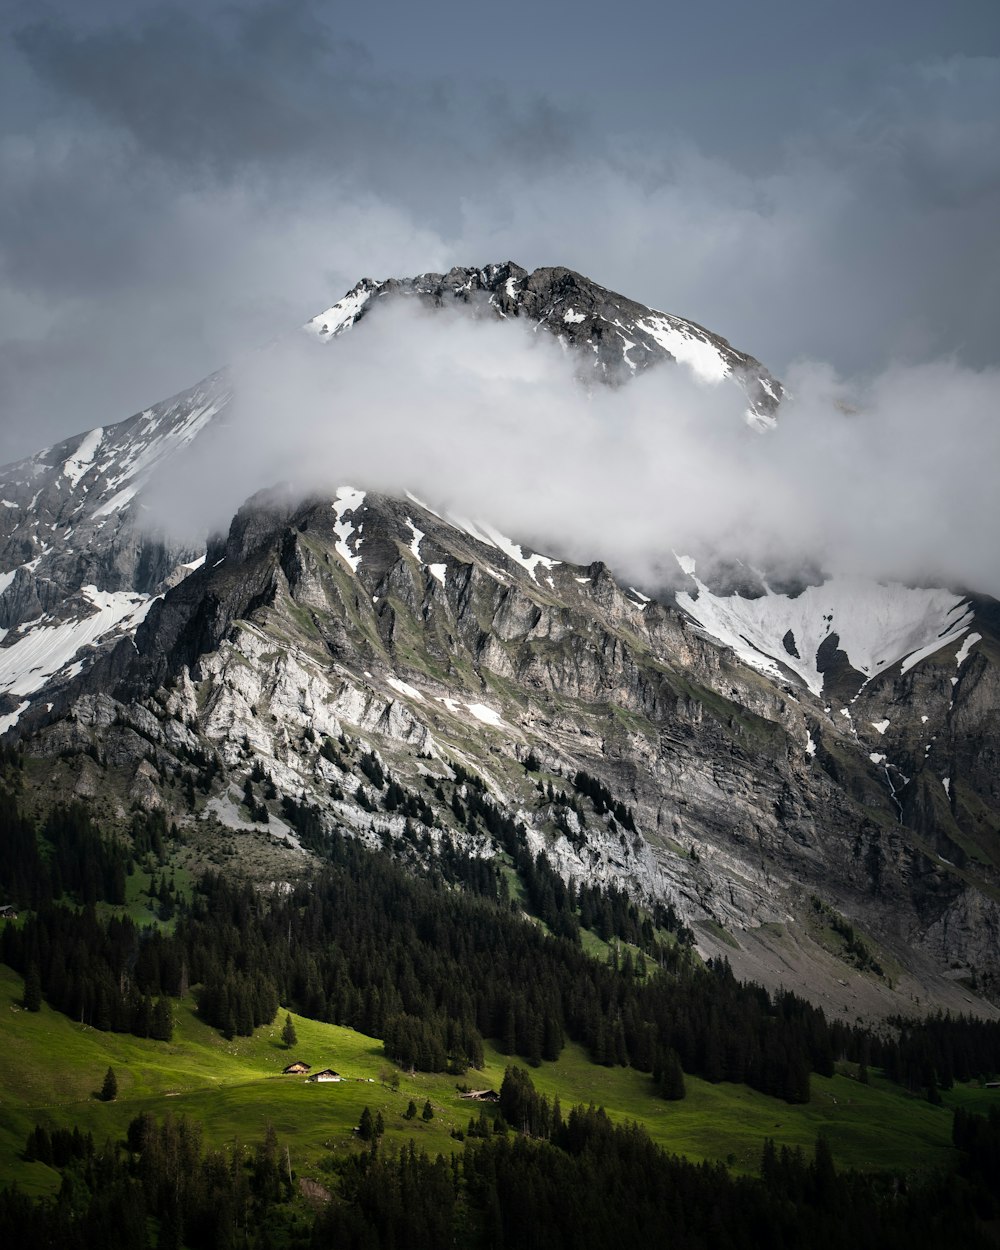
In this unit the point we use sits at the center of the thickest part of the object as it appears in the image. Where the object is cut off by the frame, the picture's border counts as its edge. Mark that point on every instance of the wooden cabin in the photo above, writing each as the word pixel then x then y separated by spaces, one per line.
pixel 298 1068
pixel 327 1074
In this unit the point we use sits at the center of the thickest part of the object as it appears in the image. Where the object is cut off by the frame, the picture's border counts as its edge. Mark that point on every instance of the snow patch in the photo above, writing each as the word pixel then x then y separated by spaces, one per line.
pixel 76 464
pixel 759 420
pixel 470 528
pixel 404 687
pixel 877 625
pixel 933 647
pixel 415 540
pixel 966 647
pixel 573 318
pixel 43 650
pixel 348 500
pixel 528 561
pixel 486 714
pixel 880 725
pixel 116 502
pixel 704 360
pixel 438 571
pixel 491 537
pixel 10 720
pixel 144 452
pixel 420 504
pixel 342 315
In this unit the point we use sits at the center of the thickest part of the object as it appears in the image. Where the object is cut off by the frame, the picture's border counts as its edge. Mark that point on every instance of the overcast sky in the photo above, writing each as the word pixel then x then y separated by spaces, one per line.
pixel 180 183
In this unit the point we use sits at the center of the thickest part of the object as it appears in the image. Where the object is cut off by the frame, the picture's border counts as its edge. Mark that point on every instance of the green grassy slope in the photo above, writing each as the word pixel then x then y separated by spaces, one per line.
pixel 52 1067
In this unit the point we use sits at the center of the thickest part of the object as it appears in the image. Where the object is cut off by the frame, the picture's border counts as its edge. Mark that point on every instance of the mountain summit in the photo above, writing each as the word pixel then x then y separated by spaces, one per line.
pixel 616 336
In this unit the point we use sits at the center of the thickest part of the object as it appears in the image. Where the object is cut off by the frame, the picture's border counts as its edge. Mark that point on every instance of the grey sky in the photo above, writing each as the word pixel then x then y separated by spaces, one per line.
pixel 181 183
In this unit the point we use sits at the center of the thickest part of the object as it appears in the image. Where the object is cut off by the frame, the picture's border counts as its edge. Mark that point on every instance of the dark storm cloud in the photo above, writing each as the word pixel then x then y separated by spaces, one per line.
pixel 264 84
pixel 184 183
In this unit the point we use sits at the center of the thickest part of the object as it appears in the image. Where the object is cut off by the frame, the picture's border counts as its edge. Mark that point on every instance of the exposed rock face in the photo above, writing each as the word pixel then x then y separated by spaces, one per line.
pixel 616 336
pixel 456 648
pixel 765 753
pixel 68 515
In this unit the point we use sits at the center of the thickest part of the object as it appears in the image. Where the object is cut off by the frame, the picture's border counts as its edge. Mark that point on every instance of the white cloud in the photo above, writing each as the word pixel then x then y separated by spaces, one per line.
pixel 892 479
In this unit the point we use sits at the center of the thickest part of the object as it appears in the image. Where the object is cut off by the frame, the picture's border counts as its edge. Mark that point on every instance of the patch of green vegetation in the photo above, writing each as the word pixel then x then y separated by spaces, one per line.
pixel 302 618
pixel 836 934
pixel 867 1127
pixel 515 885
pixel 720 933
pixel 52 1069
pixel 598 948
pixel 977 835
pixel 759 732
pixel 633 722
pixel 849 770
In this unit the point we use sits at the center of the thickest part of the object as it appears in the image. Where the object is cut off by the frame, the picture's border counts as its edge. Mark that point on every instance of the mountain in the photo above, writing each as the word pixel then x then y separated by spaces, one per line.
pixel 806 772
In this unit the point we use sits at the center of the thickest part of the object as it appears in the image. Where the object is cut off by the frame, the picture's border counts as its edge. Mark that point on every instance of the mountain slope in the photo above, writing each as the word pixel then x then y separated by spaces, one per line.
pixel 71 526
pixel 760 750
pixel 372 622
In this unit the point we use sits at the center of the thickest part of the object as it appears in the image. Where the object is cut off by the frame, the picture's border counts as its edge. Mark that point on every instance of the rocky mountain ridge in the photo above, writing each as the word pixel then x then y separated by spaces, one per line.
pixel 71 516
pixel 774 757
pixel 615 336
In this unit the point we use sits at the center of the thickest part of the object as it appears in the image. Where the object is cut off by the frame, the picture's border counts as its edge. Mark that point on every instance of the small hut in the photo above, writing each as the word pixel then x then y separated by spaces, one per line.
pixel 298 1068
pixel 327 1074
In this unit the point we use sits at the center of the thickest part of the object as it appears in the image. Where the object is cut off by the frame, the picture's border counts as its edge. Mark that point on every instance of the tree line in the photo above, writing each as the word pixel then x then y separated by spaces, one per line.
pixel 434 969
pixel 573 1182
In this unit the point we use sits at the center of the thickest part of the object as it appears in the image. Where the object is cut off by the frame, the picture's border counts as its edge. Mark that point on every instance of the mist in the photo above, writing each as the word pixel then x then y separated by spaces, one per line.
pixel 888 477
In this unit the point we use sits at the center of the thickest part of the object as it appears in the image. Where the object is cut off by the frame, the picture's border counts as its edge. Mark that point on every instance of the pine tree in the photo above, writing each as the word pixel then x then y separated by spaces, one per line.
pixel 32 989
pixel 162 1025
pixel 288 1034
pixel 366 1125
pixel 379 1124
pixel 410 1111
pixel 428 1111
pixel 109 1090
pixel 672 1082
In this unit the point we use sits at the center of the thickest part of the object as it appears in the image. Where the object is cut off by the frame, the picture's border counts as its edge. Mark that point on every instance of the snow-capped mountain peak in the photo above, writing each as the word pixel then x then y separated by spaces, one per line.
pixel 616 336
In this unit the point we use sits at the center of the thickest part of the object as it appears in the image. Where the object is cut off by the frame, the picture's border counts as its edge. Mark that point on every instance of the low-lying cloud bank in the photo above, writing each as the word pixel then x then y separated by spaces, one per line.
pixel 891 478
